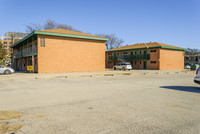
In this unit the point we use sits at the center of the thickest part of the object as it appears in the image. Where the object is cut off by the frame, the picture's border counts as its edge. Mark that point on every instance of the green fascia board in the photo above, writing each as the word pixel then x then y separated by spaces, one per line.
pixel 26 37
pixel 29 55
pixel 57 34
pixel 148 48
pixel 70 35
pixel 128 49
pixel 173 48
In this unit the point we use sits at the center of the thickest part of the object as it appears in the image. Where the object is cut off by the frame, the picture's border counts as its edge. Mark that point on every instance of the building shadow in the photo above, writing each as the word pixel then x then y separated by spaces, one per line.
pixel 183 88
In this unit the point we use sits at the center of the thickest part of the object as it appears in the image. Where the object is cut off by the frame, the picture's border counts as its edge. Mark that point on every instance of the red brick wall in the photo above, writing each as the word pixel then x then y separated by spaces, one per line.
pixel 62 54
pixel 171 59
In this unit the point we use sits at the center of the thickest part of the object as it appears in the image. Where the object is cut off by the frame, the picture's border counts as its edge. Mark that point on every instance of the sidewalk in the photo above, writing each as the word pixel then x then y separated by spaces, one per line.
pixel 108 72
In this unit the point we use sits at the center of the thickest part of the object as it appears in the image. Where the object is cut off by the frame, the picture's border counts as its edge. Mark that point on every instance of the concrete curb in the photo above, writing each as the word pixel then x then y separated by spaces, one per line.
pixel 6 79
pixel 102 75
pixel 77 76
pixel 108 74
pixel 50 77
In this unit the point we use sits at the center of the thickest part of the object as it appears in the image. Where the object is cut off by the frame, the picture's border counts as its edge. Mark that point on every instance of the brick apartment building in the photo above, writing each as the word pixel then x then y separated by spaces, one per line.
pixel 59 50
pixel 153 55
pixel 192 59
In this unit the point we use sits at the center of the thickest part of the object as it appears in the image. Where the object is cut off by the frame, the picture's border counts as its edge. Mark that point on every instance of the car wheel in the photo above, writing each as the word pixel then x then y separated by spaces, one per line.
pixel 114 68
pixel 123 69
pixel 7 72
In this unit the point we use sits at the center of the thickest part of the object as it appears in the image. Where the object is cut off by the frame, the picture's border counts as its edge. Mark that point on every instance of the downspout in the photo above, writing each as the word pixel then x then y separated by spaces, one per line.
pixel 146 53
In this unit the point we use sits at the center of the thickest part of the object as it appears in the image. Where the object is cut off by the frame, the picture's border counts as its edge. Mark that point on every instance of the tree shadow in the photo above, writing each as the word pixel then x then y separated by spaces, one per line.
pixel 183 88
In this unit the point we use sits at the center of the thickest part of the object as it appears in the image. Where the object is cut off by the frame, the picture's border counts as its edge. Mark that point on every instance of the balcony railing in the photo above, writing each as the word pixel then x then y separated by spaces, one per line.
pixel 130 57
pixel 25 51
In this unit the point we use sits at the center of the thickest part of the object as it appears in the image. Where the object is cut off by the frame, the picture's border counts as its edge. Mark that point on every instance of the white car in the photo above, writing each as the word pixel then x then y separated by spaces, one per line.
pixel 197 78
pixel 6 70
pixel 187 66
pixel 122 66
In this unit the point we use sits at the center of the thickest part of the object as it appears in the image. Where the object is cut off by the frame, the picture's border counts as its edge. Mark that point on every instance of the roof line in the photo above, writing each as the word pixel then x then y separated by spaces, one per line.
pixel 23 39
pixel 146 45
pixel 70 35
pixel 148 48
pixel 58 34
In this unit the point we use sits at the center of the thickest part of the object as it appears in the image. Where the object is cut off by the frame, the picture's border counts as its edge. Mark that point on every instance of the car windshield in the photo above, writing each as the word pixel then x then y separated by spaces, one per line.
pixel 123 64
pixel 128 64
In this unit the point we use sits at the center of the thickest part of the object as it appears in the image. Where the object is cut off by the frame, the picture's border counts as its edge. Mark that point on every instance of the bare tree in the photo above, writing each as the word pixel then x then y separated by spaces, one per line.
pixel 32 27
pixel 49 24
pixel 113 41
pixel 192 51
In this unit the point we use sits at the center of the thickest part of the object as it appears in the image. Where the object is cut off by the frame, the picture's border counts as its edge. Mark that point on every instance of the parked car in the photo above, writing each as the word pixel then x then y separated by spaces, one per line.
pixel 197 78
pixel 122 66
pixel 6 70
pixel 187 66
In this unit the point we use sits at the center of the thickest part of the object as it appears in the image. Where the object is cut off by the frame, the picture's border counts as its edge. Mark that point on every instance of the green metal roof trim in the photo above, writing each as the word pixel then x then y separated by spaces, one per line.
pixel 29 55
pixel 70 35
pixel 173 48
pixel 58 34
pixel 149 48
pixel 26 37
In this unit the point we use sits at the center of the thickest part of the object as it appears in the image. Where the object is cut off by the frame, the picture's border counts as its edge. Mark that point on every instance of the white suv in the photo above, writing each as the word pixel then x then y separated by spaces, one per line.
pixel 122 66
pixel 197 78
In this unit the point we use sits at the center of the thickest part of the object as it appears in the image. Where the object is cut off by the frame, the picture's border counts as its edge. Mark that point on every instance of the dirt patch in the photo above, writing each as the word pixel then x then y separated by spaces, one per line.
pixel 5 128
pixel 7 115
pixel 40 116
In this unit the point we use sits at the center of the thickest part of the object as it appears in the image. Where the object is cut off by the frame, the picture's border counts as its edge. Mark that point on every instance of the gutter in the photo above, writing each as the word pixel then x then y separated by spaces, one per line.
pixel 58 34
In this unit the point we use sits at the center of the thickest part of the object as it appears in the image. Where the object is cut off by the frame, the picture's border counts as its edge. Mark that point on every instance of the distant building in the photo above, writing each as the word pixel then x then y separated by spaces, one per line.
pixel 9 39
pixel 59 50
pixel 192 59
pixel 154 55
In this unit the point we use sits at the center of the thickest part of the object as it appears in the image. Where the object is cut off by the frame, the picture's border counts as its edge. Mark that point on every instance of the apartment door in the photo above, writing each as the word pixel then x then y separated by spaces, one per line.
pixel 145 54
pixel 144 65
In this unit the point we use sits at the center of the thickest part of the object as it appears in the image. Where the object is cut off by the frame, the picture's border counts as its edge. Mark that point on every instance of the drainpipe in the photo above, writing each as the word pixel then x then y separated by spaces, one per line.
pixel 146 53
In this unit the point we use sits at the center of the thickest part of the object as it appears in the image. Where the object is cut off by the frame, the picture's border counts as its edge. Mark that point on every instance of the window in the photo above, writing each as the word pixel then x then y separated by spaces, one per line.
pixel 153 62
pixel 109 53
pixel 153 51
pixel 140 52
pixel 135 53
pixel 117 53
pixel 42 42
pixel 140 62
pixel 125 53
pixel 4 42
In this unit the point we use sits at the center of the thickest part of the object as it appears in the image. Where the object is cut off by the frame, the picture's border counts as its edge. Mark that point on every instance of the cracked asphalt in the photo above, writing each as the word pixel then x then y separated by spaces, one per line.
pixel 141 104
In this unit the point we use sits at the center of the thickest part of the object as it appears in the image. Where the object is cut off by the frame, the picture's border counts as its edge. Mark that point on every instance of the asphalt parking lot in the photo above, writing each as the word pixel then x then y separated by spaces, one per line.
pixel 127 104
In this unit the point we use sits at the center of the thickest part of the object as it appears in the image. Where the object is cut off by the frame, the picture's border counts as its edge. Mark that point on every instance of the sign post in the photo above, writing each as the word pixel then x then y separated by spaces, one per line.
pixel 30 68
pixel 33 63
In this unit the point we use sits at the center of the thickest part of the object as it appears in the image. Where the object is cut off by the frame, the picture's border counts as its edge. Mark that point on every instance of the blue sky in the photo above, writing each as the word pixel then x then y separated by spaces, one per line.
pixel 174 22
